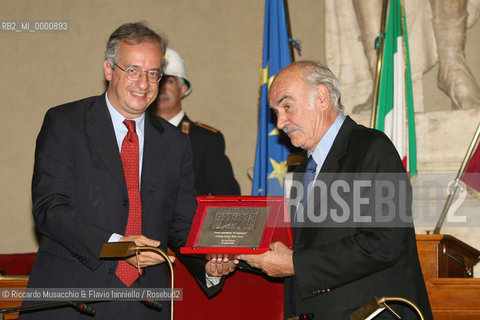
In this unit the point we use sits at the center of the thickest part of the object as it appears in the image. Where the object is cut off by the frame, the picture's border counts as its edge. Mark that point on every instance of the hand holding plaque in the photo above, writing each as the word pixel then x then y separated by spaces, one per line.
pixel 225 226
pixel 220 266
pixel 278 262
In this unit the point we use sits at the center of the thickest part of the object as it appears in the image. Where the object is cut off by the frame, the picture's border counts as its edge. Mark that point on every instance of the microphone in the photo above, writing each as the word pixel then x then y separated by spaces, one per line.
pixel 82 308
pixel 154 304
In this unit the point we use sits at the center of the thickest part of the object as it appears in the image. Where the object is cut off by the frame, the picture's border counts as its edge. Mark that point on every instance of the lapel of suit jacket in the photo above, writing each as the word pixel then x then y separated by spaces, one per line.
pixel 331 165
pixel 153 161
pixel 298 180
pixel 101 135
pixel 339 147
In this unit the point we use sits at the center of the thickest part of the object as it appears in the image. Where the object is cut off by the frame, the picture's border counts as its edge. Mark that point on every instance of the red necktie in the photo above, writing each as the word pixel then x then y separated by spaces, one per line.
pixel 130 154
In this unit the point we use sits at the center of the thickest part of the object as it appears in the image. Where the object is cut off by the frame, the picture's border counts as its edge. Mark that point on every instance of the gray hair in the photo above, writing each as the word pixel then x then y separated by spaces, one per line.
pixel 317 73
pixel 132 33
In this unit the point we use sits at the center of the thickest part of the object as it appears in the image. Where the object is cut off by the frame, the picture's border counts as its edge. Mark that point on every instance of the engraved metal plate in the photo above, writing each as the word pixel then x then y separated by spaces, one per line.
pixel 233 227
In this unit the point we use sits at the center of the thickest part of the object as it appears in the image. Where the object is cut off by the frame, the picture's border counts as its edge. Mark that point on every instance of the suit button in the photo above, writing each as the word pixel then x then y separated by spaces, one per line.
pixel 125 203
pixel 317 292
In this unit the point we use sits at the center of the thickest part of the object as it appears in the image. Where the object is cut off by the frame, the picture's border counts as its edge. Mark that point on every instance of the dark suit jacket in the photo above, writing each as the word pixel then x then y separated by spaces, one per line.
pixel 80 199
pixel 338 269
pixel 213 171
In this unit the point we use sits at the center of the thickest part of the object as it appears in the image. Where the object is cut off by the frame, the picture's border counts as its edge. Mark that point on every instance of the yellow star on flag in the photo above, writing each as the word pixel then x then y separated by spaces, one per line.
pixel 264 76
pixel 279 171
pixel 274 132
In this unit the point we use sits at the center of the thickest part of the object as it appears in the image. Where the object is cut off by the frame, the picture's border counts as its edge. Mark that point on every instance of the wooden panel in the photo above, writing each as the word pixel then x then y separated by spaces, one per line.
pixel 432 250
pixel 428 255
pixel 454 298
pixel 452 295
pixel 22 283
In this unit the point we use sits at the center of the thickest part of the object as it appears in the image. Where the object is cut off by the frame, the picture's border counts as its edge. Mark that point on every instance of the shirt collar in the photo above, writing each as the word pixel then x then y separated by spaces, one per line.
pixel 117 118
pixel 323 147
pixel 177 118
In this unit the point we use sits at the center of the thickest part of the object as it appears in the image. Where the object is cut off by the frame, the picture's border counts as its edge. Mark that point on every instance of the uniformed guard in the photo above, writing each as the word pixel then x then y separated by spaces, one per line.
pixel 213 170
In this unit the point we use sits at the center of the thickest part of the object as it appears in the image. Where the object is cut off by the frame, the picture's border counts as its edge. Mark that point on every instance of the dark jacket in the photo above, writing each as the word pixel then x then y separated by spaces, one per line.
pixel 80 198
pixel 338 268
pixel 213 171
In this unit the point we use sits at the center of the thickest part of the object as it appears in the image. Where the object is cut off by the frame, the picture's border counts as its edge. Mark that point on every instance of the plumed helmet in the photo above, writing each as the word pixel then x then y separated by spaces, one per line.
pixel 176 67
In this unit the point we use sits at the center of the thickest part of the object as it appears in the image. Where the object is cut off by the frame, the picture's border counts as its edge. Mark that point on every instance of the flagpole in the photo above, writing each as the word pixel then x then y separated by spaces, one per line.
pixel 381 44
pixel 468 155
pixel 289 30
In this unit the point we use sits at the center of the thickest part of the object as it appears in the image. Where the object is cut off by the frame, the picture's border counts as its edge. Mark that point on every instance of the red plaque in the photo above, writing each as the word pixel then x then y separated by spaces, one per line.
pixel 231 225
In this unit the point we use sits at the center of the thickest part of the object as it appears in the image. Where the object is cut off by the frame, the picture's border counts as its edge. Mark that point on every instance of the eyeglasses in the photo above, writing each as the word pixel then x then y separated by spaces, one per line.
pixel 134 73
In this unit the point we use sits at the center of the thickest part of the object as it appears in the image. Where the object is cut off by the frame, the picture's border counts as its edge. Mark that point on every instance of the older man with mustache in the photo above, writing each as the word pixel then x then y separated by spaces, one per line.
pixel 335 266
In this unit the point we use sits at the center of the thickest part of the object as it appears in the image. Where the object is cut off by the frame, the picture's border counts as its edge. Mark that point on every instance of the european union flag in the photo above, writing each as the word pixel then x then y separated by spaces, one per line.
pixel 272 145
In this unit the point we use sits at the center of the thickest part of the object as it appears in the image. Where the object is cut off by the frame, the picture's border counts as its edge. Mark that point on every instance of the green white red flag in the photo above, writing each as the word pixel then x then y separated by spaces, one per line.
pixel 395 101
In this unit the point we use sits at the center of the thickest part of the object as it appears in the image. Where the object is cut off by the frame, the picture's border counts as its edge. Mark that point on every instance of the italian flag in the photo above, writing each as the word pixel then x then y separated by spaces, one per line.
pixel 395 102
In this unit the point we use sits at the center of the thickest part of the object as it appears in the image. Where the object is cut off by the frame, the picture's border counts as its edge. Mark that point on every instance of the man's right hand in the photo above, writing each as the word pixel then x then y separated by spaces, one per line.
pixel 145 258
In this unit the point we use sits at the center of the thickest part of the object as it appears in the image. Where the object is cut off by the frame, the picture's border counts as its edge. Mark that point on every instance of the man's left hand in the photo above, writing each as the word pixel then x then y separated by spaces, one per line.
pixel 278 262
pixel 220 266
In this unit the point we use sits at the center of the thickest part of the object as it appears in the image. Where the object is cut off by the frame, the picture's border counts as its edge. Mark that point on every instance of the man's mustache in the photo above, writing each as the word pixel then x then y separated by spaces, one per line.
pixel 163 97
pixel 288 129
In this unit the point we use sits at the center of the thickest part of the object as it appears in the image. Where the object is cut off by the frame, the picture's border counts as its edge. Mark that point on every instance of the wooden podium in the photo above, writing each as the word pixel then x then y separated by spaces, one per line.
pixel 447 266
pixel 12 282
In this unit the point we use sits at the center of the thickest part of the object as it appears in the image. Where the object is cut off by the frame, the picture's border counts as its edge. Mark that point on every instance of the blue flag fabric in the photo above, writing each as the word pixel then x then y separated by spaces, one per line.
pixel 272 145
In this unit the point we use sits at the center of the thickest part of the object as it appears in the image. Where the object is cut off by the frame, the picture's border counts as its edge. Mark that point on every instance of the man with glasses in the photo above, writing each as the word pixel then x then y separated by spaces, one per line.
pixel 106 171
